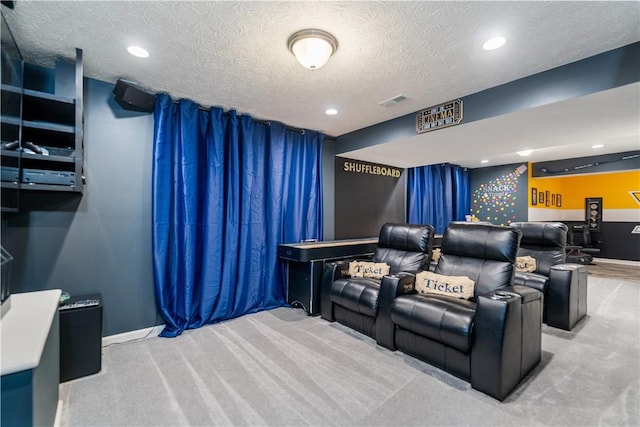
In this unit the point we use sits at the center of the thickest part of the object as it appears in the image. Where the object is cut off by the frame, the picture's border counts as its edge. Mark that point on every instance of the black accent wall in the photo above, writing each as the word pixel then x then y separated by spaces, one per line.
pixel 367 198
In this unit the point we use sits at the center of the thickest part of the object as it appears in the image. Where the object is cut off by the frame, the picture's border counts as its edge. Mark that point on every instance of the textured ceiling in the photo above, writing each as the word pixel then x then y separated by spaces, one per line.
pixel 234 54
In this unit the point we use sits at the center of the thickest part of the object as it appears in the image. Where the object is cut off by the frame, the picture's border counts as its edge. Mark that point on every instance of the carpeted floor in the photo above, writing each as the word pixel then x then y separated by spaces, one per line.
pixel 283 368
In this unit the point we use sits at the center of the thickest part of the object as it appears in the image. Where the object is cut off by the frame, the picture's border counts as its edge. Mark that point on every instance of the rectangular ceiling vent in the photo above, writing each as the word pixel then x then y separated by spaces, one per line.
pixel 393 101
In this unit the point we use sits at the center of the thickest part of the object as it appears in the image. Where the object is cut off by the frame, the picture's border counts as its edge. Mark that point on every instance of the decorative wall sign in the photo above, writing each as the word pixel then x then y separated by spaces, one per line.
pixel 541 197
pixel 593 212
pixel 495 200
pixel 547 197
pixel 559 200
pixel 553 200
pixel 534 196
pixel 439 116
pixel 372 169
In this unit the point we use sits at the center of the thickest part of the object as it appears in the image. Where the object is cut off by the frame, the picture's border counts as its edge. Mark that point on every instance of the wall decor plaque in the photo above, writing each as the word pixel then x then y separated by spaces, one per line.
pixel 439 116
pixel 593 212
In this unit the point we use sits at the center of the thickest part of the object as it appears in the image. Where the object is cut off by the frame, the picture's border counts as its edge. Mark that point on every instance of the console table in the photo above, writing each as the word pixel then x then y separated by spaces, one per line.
pixel 305 262
pixel 30 359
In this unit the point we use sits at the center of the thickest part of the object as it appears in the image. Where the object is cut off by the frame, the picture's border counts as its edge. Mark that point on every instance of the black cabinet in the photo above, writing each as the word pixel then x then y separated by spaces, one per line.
pixel 42 128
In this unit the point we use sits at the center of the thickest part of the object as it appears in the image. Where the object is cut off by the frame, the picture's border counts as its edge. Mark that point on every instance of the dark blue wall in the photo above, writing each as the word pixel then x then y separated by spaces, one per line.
pixel 101 241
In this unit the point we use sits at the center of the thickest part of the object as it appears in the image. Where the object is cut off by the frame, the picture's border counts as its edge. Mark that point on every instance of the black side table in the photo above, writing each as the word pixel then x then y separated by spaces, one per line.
pixel 80 338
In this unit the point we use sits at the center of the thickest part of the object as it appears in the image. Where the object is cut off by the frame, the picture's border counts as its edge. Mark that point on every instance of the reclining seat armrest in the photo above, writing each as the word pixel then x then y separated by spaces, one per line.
pixel 392 286
pixel 566 300
pixel 507 339
pixel 331 272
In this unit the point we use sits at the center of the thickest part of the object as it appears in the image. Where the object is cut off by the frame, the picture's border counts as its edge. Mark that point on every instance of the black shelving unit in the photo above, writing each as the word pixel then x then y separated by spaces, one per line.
pixel 44 107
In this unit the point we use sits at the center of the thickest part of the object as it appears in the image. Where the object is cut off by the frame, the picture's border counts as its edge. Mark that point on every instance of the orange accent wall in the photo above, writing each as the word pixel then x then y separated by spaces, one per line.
pixel 613 187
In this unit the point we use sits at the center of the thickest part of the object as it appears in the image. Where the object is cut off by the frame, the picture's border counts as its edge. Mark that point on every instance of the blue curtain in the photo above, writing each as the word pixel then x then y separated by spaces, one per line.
pixel 227 191
pixel 437 195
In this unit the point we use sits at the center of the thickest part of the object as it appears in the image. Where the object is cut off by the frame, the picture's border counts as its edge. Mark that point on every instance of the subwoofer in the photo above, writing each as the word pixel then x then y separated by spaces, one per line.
pixel 132 97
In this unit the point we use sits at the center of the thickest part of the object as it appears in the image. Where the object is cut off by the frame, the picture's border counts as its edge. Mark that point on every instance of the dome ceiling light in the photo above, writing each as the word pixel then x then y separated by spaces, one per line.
pixel 312 48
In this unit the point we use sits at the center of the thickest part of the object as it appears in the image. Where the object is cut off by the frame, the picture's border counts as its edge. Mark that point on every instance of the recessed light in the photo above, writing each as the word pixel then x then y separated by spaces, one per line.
pixel 597 146
pixel 494 43
pixel 331 112
pixel 138 51
pixel 524 153
pixel 484 161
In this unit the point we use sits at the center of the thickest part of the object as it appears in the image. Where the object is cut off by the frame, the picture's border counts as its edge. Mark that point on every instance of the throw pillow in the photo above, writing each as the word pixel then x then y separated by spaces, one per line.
pixel 525 264
pixel 373 270
pixel 453 286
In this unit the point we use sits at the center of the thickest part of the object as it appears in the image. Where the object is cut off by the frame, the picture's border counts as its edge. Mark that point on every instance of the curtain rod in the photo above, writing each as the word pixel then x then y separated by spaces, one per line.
pixel 262 122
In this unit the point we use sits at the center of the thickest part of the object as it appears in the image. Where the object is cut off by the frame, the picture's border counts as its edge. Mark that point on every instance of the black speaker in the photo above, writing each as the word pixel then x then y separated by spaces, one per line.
pixel 131 97
pixel 80 339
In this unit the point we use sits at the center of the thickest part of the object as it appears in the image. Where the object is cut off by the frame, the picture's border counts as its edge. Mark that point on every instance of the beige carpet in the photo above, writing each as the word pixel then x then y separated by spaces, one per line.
pixel 283 368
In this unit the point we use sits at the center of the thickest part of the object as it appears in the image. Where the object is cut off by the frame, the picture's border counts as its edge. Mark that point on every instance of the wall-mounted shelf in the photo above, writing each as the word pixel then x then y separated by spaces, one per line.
pixel 44 107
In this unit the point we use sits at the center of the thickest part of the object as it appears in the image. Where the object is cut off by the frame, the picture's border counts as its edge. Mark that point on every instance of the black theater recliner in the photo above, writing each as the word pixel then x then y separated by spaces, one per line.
pixel 353 301
pixel 564 286
pixel 493 340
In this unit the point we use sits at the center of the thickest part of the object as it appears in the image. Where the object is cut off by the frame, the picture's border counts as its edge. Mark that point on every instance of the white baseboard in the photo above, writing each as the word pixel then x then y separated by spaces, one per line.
pixel 132 335
pixel 57 420
pixel 616 261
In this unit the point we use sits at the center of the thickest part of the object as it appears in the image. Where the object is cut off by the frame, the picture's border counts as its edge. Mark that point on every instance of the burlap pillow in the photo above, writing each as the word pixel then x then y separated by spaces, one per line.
pixel 373 270
pixel 453 286
pixel 525 264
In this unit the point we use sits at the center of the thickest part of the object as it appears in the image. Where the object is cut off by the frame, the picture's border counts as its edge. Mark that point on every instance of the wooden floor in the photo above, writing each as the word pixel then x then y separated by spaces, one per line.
pixel 614 271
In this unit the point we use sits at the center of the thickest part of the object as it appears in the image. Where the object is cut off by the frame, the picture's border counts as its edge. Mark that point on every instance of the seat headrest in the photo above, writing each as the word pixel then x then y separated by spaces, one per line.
pixel 406 237
pixel 542 234
pixel 484 241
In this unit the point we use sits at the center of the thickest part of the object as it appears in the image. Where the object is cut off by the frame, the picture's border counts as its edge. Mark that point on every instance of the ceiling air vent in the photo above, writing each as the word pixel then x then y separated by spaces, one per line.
pixel 393 101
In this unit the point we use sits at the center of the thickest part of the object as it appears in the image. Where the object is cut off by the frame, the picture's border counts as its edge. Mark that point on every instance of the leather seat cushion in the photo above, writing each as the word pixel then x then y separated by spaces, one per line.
pixel 443 319
pixel 533 280
pixel 359 294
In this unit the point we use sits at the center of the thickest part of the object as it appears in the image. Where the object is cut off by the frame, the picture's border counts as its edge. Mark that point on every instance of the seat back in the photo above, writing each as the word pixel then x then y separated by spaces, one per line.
pixel 544 241
pixel 405 247
pixel 484 253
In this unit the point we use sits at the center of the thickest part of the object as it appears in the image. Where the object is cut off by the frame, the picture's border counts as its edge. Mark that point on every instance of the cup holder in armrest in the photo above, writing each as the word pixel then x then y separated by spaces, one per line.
pixel 500 296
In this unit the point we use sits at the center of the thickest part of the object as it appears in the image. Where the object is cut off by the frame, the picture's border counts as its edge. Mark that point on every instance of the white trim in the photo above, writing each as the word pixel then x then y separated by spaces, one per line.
pixel 550 214
pixel 621 215
pixel 608 215
pixel 132 335
pixel 617 261
pixel 58 419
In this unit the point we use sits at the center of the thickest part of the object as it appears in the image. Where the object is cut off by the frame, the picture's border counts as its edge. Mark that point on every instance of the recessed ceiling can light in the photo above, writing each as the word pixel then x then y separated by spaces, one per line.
pixel 484 161
pixel 524 153
pixel 494 43
pixel 331 112
pixel 138 51
pixel 597 146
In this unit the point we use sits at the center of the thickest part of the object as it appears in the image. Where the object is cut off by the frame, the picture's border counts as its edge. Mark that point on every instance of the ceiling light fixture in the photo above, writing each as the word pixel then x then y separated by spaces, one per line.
pixel 331 112
pixel 597 146
pixel 524 153
pixel 484 161
pixel 312 48
pixel 138 51
pixel 494 43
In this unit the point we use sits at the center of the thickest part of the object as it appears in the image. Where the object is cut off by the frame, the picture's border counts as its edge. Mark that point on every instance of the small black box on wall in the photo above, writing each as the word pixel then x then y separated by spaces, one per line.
pixel 131 97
